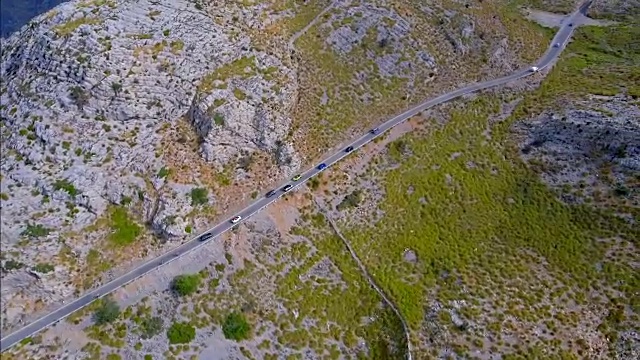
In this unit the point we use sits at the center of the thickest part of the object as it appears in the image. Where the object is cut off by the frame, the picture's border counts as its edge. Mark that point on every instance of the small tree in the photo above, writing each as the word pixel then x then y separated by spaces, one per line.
pixel 116 87
pixel 150 327
pixel 107 312
pixel 186 284
pixel 236 327
pixel 199 196
pixel 181 333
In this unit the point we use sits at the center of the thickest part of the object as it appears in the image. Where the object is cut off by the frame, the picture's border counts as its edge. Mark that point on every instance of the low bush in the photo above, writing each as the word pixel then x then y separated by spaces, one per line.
pixel 199 196
pixel 181 333
pixel 36 231
pixel 43 268
pixel 186 284
pixel 150 327
pixel 107 312
pixel 236 327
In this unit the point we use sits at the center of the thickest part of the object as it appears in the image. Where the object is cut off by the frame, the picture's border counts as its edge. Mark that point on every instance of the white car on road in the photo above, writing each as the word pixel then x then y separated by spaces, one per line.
pixel 236 219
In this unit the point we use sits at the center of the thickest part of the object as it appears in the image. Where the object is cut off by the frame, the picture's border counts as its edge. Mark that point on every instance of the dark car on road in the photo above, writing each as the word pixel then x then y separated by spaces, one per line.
pixel 570 24
pixel 287 188
pixel 270 193
pixel 322 166
pixel 205 237
pixel 374 131
pixel 348 149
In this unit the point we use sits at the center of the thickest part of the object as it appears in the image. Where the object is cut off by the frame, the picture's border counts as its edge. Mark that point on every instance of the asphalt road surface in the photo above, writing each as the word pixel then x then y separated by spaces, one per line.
pixel 562 36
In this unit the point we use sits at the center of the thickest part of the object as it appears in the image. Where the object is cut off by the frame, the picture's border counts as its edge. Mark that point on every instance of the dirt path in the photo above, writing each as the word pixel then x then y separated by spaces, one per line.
pixel 367 276
pixel 304 30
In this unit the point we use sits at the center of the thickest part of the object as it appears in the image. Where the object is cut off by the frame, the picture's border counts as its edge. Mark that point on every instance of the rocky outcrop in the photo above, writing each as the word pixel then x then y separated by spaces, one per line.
pixel 352 26
pixel 593 146
pixel 245 111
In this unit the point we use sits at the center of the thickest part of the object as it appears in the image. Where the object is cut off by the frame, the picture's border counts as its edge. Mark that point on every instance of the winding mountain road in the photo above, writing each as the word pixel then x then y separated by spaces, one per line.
pixel 561 38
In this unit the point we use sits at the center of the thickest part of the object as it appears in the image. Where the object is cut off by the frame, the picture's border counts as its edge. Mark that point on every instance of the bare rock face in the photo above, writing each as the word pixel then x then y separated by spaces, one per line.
pixel 170 211
pixel 245 110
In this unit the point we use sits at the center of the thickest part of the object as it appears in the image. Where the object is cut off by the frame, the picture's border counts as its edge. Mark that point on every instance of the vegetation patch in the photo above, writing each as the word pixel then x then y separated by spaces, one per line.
pixel 176 46
pixel 181 333
pixel 236 327
pixel 150 327
pixel 199 196
pixel 124 230
pixel 69 27
pixel 67 186
pixel 108 312
pixel 36 231
pixel 185 285
pixel 43 268
pixel 350 201
pixel 482 226
pixel 164 172
pixel 236 68
pixel 218 119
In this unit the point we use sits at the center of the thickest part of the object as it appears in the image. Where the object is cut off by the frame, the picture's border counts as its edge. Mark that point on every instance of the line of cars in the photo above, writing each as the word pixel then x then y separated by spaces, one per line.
pixel 270 193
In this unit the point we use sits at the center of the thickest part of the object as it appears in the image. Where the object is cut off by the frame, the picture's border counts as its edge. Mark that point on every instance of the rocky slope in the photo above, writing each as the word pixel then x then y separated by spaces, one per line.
pixel 90 88
pixel 616 9
pixel 590 152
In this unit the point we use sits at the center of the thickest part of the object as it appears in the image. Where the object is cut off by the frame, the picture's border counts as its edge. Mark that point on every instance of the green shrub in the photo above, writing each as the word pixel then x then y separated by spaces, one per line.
pixel 124 230
pixel 351 200
pixel 12 265
pixel 218 119
pixel 164 172
pixel 36 231
pixel 108 312
pixel 186 284
pixel 150 327
pixel 43 268
pixel 66 186
pixel 236 327
pixel 199 196
pixel 181 333
pixel 314 183
pixel 148 357
pixel 239 94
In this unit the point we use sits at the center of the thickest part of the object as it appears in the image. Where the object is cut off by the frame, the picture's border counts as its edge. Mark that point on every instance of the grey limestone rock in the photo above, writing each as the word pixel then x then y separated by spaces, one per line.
pixel 87 90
